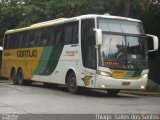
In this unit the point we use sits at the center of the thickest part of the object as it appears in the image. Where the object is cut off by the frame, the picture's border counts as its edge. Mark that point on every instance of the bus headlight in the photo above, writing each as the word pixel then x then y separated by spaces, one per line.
pixel 144 75
pixel 142 87
pixel 104 73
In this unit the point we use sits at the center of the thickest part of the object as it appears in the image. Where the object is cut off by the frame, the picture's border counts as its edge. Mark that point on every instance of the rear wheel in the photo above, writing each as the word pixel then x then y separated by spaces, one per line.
pixel 71 83
pixel 27 82
pixel 13 77
pixel 113 92
pixel 20 77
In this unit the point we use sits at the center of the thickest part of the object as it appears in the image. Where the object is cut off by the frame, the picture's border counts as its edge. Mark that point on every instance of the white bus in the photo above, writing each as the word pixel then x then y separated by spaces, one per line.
pixel 93 51
pixel 1 49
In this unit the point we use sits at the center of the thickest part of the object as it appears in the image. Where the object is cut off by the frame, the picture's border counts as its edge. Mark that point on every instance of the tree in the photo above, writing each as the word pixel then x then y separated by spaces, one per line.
pixel 20 13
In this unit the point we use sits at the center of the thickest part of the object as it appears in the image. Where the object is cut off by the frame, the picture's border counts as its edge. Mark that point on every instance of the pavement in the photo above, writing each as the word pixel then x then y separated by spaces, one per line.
pixel 142 93
pixel 132 92
pixel 5 81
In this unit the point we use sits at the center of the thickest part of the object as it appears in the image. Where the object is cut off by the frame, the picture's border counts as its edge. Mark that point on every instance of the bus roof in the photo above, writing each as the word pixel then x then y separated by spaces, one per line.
pixel 63 20
pixel 110 17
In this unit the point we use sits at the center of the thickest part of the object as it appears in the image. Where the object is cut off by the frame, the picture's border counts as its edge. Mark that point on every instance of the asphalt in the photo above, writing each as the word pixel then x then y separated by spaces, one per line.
pixel 132 92
pixel 142 93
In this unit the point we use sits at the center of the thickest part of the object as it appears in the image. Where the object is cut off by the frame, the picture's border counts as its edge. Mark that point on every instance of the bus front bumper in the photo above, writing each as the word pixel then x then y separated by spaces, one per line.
pixel 103 82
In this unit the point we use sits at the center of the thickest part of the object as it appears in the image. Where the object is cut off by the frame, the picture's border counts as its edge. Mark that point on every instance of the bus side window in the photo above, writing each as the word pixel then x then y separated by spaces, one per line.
pixel 16 40
pixel 26 39
pixel 20 40
pixel 44 36
pixel 12 41
pixel 68 33
pixel 75 33
pixel 71 33
pixel 52 36
pixel 59 34
pixel 38 37
pixel 31 38
pixel 88 43
pixel 6 41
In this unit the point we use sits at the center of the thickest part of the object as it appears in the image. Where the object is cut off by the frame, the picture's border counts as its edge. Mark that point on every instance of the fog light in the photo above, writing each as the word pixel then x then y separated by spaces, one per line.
pixel 103 86
pixel 142 87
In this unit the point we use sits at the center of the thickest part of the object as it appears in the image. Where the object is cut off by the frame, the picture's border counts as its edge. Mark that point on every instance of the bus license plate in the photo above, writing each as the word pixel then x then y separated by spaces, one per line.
pixel 125 83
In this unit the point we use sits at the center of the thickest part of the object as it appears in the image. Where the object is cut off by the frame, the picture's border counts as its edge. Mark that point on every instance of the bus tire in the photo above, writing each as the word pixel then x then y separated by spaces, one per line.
pixel 113 92
pixel 71 83
pixel 20 77
pixel 13 76
pixel 27 82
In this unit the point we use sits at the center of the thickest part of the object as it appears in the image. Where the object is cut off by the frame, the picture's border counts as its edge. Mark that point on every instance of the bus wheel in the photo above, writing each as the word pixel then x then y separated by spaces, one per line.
pixel 71 83
pixel 113 92
pixel 13 77
pixel 20 77
pixel 27 82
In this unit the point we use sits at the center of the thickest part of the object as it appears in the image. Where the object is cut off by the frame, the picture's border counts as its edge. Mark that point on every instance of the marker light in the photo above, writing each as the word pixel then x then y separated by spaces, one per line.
pixel 142 87
pixel 144 75
pixel 103 86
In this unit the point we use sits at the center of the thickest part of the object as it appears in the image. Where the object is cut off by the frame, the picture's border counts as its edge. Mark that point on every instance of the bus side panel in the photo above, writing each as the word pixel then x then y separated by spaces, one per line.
pixel 26 59
pixel 49 66
pixel 70 60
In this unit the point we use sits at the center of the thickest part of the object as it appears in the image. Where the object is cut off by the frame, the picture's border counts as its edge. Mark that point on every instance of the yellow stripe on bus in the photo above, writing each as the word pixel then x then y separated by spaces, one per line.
pixel 26 58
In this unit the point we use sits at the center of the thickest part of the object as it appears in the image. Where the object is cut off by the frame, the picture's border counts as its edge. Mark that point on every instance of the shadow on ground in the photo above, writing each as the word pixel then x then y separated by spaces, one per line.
pixel 84 91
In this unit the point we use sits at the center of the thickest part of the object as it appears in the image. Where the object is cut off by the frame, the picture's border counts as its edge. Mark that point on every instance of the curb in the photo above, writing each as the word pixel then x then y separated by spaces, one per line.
pixel 142 93
pixel 5 81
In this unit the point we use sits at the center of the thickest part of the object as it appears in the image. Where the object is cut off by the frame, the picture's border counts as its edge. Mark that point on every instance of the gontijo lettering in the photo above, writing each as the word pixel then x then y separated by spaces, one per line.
pixel 27 53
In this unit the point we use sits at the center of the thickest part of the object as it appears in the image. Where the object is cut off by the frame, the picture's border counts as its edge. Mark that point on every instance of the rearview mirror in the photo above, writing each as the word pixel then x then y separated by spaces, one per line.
pixel 98 33
pixel 152 43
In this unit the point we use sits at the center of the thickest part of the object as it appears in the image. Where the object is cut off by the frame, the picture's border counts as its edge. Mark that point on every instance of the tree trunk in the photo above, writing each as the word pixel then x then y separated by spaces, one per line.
pixel 127 8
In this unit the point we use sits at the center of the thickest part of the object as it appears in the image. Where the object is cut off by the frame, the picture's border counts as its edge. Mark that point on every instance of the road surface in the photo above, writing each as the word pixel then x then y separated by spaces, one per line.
pixel 37 99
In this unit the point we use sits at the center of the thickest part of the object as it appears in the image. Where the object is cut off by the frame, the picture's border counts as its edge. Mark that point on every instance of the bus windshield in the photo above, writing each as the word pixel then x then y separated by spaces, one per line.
pixel 120 26
pixel 123 45
pixel 119 51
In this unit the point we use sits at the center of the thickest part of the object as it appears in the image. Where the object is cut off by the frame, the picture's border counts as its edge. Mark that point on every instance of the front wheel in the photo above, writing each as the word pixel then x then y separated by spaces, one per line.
pixel 113 92
pixel 71 83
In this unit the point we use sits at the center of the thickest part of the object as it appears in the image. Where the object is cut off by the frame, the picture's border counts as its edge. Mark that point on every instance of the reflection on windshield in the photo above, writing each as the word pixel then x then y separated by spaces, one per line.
pixel 122 52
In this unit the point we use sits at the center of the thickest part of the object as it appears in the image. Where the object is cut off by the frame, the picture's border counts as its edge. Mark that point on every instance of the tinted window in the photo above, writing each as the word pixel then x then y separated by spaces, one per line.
pixel 75 33
pixel 66 33
pixel 59 34
pixel 68 30
pixel 44 36
pixel 71 33
pixel 31 38
pixel 6 42
pixel 88 43
pixel 121 26
pixel 25 39
pixel 20 40
pixel 51 35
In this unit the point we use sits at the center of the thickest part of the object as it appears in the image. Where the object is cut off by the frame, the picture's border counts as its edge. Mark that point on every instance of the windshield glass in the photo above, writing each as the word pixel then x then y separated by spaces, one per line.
pixel 120 26
pixel 122 51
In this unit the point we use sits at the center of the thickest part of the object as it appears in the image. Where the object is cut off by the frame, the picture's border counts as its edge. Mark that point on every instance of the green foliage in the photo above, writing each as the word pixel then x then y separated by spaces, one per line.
pixel 149 12
pixel 20 13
